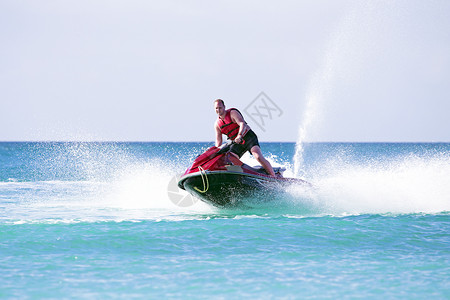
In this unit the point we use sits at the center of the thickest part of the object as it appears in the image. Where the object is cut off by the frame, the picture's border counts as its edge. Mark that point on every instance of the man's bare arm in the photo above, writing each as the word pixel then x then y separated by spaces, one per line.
pixel 218 135
pixel 243 127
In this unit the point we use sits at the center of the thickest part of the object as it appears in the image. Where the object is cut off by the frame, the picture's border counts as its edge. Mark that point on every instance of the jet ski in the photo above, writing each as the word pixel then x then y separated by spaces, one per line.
pixel 220 178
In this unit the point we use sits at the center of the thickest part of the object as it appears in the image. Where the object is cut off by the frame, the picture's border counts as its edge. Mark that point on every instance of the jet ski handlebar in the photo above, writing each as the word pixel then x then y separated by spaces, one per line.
pixel 225 147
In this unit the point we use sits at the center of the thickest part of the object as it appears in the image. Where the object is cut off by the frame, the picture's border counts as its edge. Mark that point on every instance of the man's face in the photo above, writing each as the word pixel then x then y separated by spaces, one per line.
pixel 219 107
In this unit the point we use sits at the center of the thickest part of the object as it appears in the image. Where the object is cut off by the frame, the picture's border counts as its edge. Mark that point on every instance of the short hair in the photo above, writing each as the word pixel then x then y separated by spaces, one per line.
pixel 219 100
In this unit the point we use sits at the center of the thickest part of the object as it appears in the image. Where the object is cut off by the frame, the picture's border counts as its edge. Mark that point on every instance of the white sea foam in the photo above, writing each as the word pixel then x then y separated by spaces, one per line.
pixel 138 191
pixel 133 190
pixel 408 185
pixel 146 186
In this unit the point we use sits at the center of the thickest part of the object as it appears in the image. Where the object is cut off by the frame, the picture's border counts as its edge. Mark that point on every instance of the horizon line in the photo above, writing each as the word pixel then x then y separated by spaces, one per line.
pixel 168 141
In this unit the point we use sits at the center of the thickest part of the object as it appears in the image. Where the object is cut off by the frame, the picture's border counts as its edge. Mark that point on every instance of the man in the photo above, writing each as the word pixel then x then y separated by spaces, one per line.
pixel 231 123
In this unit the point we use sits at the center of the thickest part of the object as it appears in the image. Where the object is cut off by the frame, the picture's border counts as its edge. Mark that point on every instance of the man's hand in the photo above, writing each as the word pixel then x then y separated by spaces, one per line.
pixel 238 139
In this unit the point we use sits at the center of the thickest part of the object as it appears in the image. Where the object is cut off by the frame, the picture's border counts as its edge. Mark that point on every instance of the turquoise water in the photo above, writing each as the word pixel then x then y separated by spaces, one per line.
pixel 95 220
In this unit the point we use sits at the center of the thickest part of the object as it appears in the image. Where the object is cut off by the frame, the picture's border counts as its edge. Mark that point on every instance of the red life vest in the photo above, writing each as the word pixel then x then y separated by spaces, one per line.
pixel 227 126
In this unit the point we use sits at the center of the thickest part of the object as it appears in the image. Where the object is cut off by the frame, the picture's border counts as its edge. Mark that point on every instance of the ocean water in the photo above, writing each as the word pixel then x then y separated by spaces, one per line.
pixel 98 220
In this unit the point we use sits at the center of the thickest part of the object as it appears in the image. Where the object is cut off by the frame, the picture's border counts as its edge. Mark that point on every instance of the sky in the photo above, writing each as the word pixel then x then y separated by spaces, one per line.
pixel 142 70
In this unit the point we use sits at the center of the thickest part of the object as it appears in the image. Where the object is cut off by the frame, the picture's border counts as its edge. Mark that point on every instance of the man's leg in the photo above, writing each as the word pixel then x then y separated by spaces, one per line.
pixel 256 152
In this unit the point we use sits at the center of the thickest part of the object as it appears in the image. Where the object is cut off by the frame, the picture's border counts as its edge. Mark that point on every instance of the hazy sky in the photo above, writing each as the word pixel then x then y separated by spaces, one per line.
pixel 141 70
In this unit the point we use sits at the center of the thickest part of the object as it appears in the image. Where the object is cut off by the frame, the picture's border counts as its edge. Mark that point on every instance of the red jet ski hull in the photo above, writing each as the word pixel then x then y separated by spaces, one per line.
pixel 222 180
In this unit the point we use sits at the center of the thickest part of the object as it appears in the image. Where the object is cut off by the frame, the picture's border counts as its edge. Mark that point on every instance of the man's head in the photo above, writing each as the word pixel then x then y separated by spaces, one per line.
pixel 219 106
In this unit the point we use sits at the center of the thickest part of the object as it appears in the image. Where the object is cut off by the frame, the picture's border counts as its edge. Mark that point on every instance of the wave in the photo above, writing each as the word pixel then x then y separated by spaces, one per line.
pixel 136 192
pixel 409 184
pixel 129 188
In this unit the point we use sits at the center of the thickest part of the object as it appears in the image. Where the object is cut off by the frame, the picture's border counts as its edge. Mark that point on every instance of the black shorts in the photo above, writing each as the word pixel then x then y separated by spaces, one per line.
pixel 250 140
